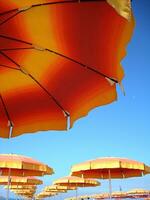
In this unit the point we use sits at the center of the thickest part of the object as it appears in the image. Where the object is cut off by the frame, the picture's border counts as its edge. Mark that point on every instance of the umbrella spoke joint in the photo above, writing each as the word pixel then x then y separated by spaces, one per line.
pixel 24 8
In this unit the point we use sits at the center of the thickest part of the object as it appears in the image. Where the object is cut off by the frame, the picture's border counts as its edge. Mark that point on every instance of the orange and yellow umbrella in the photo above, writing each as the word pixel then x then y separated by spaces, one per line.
pixel 59 187
pixel 45 194
pixel 110 168
pixel 24 190
pixel 59 72
pixel 21 187
pixel 14 180
pixel 18 165
pixel 76 182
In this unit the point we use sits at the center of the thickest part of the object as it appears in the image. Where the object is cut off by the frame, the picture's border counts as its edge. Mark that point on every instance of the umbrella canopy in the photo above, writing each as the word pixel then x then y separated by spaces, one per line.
pixel 76 182
pixel 18 165
pixel 59 187
pixel 118 167
pixel 119 194
pixel 59 72
pixel 138 193
pixel 14 180
pixel 21 187
pixel 45 194
pixel 24 190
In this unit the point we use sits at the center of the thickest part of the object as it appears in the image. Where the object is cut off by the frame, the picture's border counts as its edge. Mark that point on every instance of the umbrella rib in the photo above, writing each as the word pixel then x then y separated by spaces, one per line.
pixel 49 94
pixel 10 59
pixel 8 116
pixel 81 64
pixel 15 49
pixel 6 66
pixel 9 11
pixel 57 53
pixel 9 18
pixel 38 83
pixel 49 3
pixel 20 10
pixel 5 108
pixel 15 39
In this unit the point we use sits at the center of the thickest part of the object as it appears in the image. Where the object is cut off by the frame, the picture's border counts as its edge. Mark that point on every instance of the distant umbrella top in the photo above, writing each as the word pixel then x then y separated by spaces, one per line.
pixel 76 182
pixel 18 165
pixel 58 60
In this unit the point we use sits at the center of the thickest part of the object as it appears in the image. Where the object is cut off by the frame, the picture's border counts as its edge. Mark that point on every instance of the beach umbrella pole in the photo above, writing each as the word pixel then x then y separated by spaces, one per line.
pixel 76 193
pixel 8 184
pixel 110 186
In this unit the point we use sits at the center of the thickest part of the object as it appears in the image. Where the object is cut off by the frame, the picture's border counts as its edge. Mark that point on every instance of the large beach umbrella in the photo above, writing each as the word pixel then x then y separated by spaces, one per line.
pixel 110 168
pixel 76 182
pixel 19 165
pixel 62 58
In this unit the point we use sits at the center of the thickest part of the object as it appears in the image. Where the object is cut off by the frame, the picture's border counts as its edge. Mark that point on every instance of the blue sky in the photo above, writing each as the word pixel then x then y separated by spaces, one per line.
pixel 121 129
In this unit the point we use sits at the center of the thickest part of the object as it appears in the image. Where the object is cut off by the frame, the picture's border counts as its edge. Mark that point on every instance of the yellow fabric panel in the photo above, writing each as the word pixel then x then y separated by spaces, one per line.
pixel 123 7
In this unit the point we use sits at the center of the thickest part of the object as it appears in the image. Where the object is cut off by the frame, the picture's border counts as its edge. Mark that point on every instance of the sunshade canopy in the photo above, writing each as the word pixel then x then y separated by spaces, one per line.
pixel 19 165
pixel 45 194
pixel 59 187
pixel 59 72
pixel 138 191
pixel 118 168
pixel 21 187
pixel 20 180
pixel 119 194
pixel 76 182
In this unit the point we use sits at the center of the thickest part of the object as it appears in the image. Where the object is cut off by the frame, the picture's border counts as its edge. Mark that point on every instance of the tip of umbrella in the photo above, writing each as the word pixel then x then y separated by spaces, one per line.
pixel 68 120
pixel 122 88
pixel 10 124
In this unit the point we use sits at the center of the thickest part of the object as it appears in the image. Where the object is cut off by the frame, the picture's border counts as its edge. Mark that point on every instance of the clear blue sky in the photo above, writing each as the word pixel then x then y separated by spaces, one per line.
pixel 121 129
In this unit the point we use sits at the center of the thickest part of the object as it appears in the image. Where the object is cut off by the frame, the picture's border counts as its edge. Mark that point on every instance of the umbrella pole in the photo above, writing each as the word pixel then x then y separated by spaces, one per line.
pixel 110 186
pixel 76 193
pixel 8 184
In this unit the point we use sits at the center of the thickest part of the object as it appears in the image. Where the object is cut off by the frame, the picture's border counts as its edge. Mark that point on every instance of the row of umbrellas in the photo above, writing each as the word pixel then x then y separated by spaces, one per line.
pixel 135 193
pixel 20 171
pixel 84 174
pixel 68 183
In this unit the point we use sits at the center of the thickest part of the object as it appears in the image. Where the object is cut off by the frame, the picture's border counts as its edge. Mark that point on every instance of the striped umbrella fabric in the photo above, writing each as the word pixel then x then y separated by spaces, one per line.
pixel 58 60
